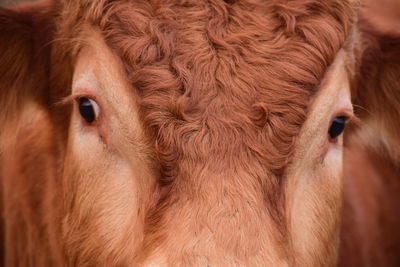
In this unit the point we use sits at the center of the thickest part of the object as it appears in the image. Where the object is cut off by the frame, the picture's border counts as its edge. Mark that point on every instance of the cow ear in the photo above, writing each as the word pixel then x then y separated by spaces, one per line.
pixel 377 94
pixel 25 44
pixel 372 154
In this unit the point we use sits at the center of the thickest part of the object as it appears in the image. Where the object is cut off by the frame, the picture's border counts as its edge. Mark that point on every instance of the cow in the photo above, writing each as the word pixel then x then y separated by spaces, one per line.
pixel 200 133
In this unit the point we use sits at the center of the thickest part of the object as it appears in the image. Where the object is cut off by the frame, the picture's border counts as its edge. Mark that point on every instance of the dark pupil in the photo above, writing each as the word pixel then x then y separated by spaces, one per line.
pixel 337 127
pixel 86 109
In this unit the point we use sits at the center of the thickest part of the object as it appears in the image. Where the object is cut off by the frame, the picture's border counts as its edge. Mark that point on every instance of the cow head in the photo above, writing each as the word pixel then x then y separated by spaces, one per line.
pixel 193 132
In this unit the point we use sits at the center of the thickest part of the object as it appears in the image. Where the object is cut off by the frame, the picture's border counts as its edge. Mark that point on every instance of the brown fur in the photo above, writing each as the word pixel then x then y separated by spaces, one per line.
pixel 186 66
pixel 187 62
pixel 223 89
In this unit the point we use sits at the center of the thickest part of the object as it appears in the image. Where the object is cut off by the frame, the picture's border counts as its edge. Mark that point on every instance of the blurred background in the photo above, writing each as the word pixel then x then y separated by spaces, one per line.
pixel 11 2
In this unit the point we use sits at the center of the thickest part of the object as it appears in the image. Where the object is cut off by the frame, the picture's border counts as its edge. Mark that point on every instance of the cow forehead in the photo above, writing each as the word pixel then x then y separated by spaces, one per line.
pixel 213 75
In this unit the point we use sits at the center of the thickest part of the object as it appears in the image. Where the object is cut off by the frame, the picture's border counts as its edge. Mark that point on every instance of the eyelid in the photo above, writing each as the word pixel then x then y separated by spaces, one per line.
pixel 352 120
pixel 346 112
pixel 74 97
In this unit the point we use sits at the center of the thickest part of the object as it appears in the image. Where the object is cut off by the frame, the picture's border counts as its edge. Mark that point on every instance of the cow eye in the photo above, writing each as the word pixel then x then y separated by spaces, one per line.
pixel 88 109
pixel 337 127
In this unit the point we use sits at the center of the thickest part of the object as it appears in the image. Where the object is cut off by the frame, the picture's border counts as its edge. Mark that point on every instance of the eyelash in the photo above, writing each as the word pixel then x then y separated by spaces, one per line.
pixel 77 98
